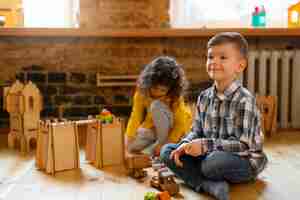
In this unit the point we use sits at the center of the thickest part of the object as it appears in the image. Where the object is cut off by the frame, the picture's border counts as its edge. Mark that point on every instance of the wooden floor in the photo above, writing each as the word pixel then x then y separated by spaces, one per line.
pixel 20 180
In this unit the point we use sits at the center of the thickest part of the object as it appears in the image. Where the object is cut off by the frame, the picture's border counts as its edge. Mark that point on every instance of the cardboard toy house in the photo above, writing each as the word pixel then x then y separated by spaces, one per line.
pixel 57 147
pixel 14 104
pixel 24 104
pixel 32 109
pixel 105 143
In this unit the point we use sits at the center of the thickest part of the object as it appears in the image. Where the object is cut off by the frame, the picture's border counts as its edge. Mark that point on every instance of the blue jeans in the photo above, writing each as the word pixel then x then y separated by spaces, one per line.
pixel 216 166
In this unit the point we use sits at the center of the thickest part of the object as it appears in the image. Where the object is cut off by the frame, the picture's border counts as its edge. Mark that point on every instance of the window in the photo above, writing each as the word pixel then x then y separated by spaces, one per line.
pixel 51 13
pixel 224 13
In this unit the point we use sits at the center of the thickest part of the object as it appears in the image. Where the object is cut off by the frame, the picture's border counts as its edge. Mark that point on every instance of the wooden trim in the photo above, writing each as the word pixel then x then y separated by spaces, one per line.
pixel 116 80
pixel 4 130
pixel 6 9
pixel 144 33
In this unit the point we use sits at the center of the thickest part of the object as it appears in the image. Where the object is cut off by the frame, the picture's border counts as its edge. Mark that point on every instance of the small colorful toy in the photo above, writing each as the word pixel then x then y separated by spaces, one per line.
pixel 105 116
pixel 163 195
pixel 150 196
pixel 259 17
pixel 165 181
pixel 157 196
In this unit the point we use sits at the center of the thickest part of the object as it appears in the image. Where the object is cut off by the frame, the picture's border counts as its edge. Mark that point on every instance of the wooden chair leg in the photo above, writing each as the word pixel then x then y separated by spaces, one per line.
pixel 11 140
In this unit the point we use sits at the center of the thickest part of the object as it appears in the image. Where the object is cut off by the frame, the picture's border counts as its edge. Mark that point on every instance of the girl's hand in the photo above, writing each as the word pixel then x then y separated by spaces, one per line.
pixel 195 148
pixel 128 140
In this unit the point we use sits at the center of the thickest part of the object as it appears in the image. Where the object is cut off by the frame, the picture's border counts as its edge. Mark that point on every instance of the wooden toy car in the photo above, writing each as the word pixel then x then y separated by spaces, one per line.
pixel 165 181
pixel 135 164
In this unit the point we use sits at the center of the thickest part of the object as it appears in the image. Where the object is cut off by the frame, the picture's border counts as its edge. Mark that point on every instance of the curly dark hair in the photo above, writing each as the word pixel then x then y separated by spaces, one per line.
pixel 163 71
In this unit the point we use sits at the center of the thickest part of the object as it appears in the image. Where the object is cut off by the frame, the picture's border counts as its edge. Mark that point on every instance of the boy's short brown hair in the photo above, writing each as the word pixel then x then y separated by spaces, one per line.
pixel 230 37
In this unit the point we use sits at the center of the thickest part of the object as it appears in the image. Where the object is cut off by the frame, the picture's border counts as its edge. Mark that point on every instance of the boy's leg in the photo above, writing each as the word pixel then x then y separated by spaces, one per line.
pixel 143 139
pixel 220 165
pixel 190 173
pixel 163 120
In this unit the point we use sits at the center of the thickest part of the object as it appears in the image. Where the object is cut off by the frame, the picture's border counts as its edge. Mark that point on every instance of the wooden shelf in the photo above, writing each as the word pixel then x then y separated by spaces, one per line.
pixel 145 33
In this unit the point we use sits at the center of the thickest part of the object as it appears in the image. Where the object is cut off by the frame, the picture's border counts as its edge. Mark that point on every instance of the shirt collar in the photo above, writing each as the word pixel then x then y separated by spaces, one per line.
pixel 228 91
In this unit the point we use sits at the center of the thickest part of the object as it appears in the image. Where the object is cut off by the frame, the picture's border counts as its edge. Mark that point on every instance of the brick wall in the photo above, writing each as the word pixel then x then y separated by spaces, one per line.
pixel 118 14
pixel 65 68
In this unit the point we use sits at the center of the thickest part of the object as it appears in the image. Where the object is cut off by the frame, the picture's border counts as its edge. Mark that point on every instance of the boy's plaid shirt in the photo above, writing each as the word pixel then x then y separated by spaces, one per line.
pixel 230 122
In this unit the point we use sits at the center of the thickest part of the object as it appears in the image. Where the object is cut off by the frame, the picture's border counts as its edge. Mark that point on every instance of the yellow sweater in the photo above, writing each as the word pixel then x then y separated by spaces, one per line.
pixel 141 117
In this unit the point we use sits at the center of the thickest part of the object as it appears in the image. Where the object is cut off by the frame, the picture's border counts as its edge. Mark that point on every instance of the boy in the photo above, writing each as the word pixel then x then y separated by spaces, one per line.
pixel 225 144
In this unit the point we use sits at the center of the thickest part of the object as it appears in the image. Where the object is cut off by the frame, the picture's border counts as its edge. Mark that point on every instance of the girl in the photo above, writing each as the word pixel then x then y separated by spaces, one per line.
pixel 159 114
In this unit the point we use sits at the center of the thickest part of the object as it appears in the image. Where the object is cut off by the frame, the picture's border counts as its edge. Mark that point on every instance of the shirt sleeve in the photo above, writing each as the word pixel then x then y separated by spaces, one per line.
pixel 197 127
pixel 136 116
pixel 182 121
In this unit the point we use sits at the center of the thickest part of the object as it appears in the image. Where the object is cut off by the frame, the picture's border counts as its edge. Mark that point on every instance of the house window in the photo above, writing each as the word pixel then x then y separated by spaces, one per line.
pixel 51 13
pixel 224 13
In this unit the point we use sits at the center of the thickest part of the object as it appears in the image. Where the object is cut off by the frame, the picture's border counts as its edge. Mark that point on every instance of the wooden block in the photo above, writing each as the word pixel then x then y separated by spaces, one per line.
pixel 112 81
pixel 112 142
pixel 63 148
pixel 137 161
pixel 93 130
pixel 42 145
pixel 57 147
pixel 105 142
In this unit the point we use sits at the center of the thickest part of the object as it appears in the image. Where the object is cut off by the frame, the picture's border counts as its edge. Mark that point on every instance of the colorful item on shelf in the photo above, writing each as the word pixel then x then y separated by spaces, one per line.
pixel 294 16
pixel 259 17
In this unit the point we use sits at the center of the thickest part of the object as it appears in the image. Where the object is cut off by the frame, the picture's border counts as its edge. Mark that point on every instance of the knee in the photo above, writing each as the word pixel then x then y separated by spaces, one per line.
pixel 130 148
pixel 214 164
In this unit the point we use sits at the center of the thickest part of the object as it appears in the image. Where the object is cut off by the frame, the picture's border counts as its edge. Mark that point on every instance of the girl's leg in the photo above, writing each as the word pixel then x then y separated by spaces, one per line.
pixel 163 120
pixel 144 138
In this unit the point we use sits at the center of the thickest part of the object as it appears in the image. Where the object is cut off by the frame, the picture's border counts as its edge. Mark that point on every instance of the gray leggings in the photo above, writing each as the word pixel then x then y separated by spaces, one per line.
pixel 163 121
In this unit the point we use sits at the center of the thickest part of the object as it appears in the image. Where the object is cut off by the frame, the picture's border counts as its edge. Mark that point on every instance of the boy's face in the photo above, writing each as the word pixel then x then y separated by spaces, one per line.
pixel 224 62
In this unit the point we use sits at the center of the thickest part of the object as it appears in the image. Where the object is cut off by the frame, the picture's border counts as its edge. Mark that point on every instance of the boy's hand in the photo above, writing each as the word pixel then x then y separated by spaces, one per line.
pixel 177 153
pixel 195 148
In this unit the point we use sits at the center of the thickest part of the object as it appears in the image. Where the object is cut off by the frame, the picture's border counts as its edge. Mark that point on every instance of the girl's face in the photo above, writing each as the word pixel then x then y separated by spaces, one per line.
pixel 158 91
